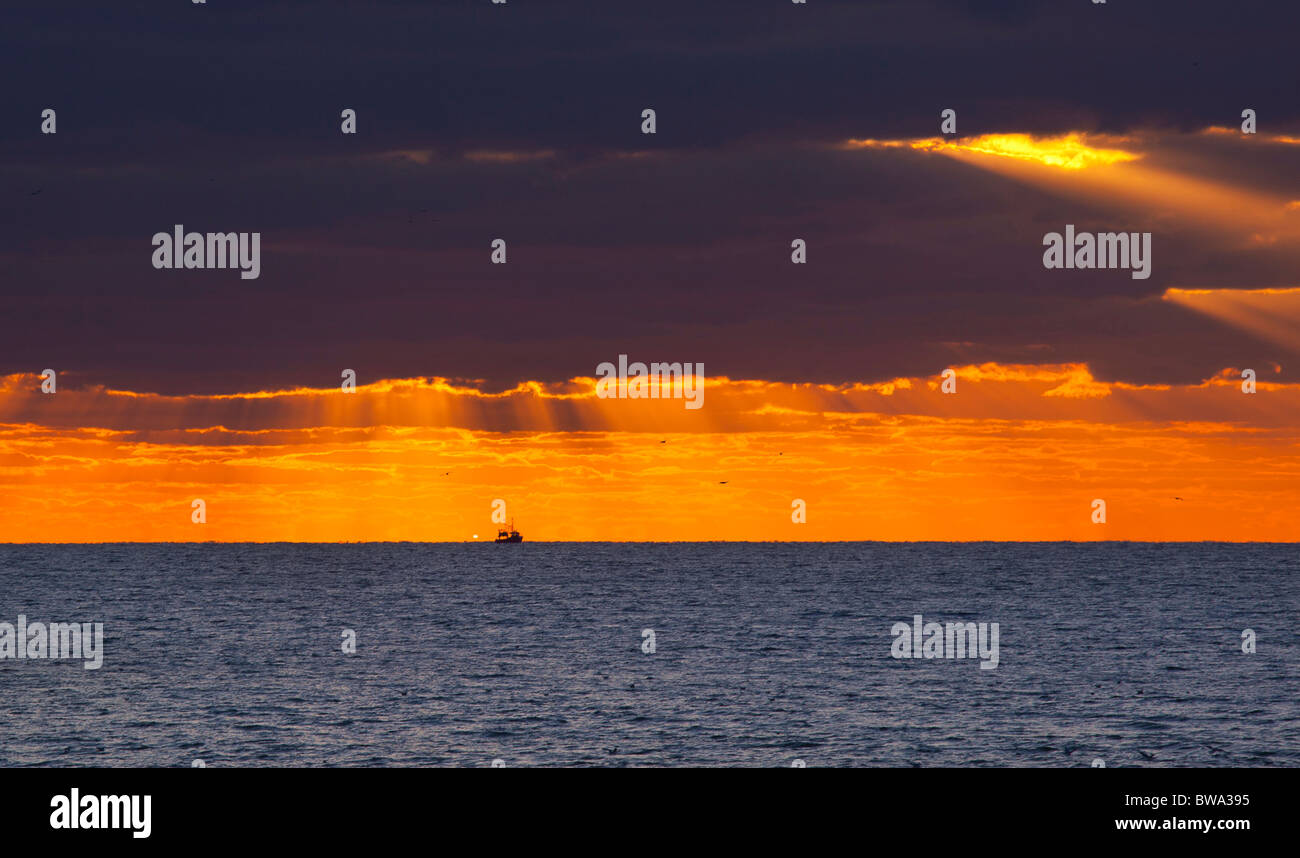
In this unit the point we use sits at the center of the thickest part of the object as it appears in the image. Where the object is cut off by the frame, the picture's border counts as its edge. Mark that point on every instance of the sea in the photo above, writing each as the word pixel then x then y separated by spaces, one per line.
pixel 656 654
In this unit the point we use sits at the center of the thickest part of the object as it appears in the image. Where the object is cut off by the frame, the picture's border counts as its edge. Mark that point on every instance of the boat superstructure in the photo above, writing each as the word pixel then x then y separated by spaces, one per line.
pixel 510 535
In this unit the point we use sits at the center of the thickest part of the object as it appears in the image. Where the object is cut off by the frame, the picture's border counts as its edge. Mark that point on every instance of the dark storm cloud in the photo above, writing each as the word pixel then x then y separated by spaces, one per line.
pixel 570 74
pixel 225 117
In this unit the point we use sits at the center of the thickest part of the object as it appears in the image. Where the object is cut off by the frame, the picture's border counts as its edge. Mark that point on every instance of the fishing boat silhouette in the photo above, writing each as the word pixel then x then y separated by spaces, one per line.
pixel 510 535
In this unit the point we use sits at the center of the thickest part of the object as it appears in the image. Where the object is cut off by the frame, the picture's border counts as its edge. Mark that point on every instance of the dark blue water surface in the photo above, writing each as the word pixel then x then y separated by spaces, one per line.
pixel 765 653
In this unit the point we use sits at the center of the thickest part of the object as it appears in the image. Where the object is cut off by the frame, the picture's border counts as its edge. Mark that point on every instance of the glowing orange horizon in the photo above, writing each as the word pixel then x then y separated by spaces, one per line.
pixel 1018 453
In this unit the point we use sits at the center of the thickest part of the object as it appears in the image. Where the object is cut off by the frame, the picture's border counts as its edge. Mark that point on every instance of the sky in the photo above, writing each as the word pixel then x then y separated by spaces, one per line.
pixel 775 121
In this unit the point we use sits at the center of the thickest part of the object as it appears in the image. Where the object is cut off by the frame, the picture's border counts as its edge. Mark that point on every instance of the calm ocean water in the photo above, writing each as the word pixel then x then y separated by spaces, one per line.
pixel 765 653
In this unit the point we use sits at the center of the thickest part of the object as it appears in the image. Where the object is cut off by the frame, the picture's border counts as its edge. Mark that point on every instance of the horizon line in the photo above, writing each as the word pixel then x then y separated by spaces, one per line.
pixel 690 542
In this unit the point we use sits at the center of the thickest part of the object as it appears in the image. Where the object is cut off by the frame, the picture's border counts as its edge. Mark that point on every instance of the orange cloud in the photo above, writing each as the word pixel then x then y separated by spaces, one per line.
pixel 1271 314
pixel 1092 168
pixel 1067 152
pixel 1222 131
pixel 508 157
